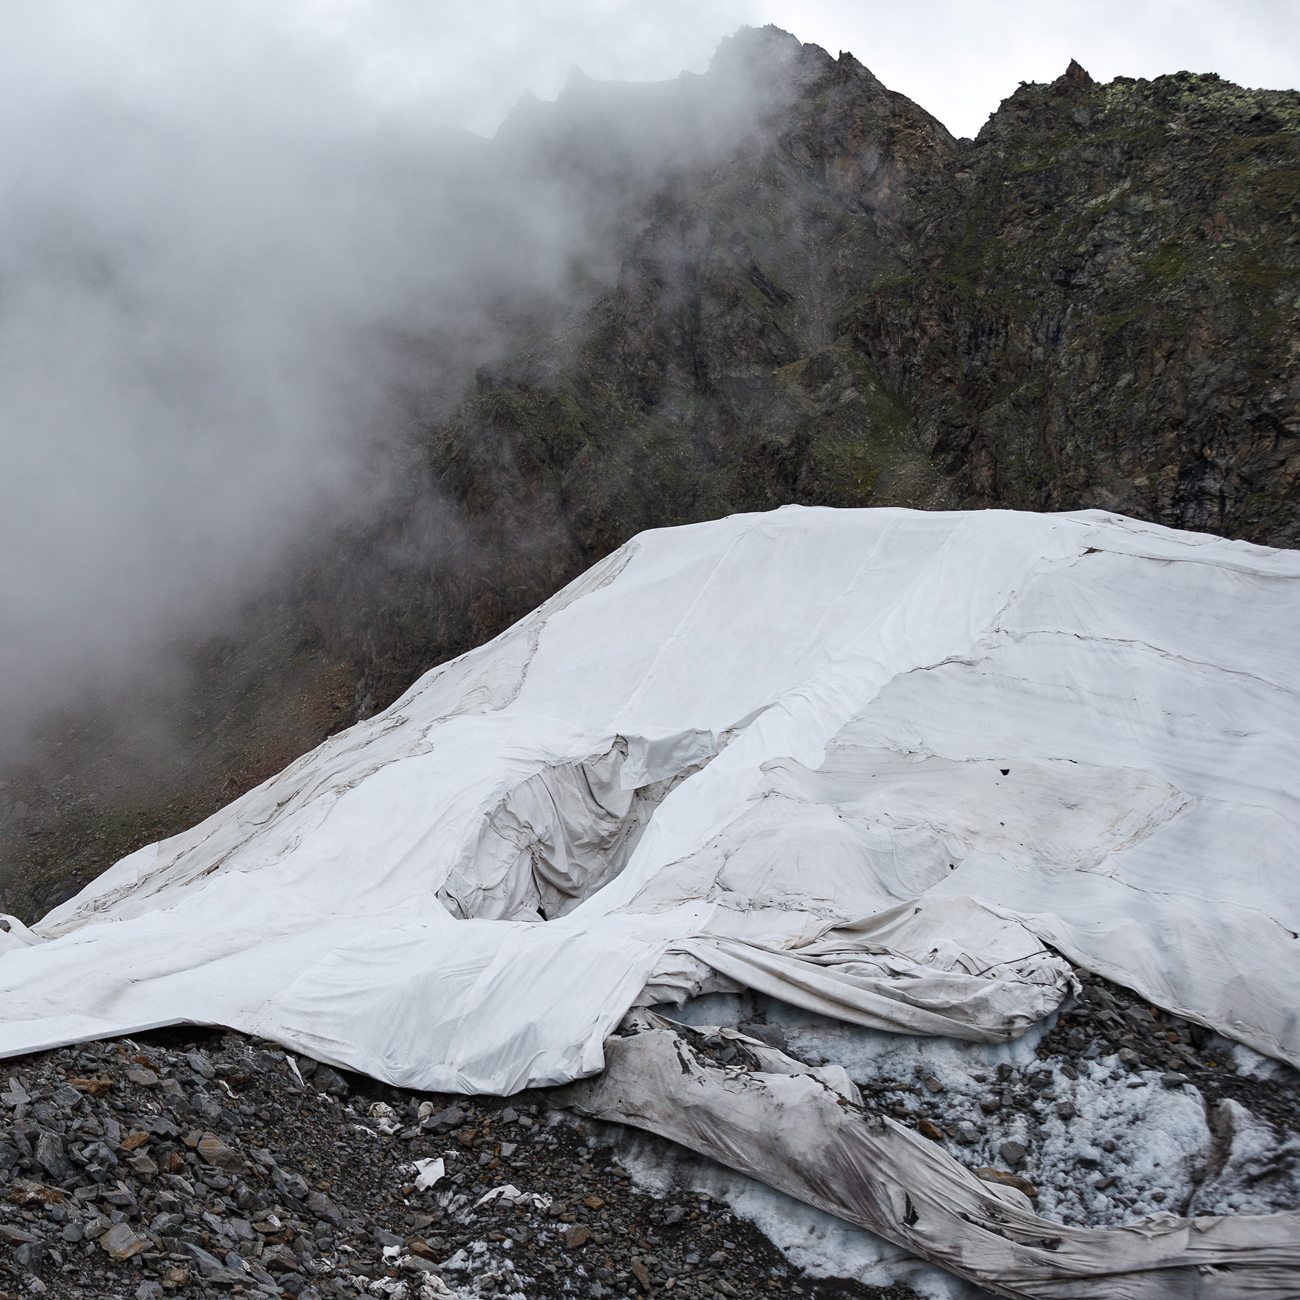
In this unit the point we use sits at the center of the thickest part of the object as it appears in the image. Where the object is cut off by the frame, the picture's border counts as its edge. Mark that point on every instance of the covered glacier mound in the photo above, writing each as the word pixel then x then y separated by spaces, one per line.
pixel 883 765
pixel 886 767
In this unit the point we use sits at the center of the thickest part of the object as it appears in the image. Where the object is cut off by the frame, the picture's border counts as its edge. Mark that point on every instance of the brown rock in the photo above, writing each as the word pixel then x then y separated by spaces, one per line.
pixel 577 1235
pixel 928 1130
pixel 26 1192
pixel 641 1273
pixel 15 1236
pixel 92 1087
pixel 422 1248
pixel 1008 1180
pixel 594 1203
pixel 133 1140
pixel 145 1078
pixel 213 1150
pixel 120 1242
pixel 1078 74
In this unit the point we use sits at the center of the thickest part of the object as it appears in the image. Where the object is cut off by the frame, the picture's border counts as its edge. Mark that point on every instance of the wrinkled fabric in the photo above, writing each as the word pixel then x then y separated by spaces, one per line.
pixel 804 1132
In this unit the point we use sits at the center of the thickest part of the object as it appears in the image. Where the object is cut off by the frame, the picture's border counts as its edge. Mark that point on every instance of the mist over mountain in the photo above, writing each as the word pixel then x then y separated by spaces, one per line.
pixel 296 415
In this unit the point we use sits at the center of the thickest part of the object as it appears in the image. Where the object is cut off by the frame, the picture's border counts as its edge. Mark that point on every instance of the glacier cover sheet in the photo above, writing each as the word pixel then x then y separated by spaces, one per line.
pixel 885 765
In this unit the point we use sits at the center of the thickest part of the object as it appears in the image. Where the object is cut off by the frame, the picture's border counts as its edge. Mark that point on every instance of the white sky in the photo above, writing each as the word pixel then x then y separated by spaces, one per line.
pixel 958 58
pixel 439 60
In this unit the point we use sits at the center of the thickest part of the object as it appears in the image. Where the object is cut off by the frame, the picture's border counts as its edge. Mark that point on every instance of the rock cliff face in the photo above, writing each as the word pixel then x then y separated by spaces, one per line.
pixel 1103 306
pixel 800 288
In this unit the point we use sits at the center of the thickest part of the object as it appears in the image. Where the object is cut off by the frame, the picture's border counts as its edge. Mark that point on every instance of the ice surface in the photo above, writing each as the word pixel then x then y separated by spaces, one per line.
pixel 1153 1148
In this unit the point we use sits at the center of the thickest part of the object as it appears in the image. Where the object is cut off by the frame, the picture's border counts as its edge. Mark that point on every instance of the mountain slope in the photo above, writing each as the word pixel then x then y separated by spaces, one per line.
pixel 823 298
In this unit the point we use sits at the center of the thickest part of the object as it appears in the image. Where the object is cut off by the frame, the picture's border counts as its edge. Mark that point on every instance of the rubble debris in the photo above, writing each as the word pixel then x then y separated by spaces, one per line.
pixel 324 1204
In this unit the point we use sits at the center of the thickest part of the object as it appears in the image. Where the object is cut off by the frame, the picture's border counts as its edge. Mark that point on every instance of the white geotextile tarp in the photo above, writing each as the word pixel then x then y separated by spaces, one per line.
pixel 741 739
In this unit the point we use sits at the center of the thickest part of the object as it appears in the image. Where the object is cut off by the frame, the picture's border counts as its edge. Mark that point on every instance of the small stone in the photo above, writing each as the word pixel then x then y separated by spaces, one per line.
pixel 200 1065
pixel 967 1134
pixel 577 1234
pixel 444 1120
pixel 16 1236
pixel 50 1156
pixel 149 1291
pixel 120 1242
pixel 134 1140
pixel 330 1082
pixel 66 1097
pixel 279 1259
pixel 412 1264
pixel 1013 1153
pixel 674 1214
pixel 29 1255
pixel 1102 1183
pixel 96 1227
pixel 929 1130
pixel 1066 1110
pixel 92 1087
pixel 213 1150
pixel 1008 1180
pixel 323 1208
pixel 769 1035
pixel 508 1116
pixel 1127 1056
pixel 145 1078
pixel 990 1105
pixel 932 1084
pixel 1173 1080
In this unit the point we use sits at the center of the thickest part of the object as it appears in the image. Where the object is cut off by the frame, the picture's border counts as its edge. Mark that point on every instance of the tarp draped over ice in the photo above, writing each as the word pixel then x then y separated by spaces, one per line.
pixel 873 762
pixel 804 1132
pixel 899 970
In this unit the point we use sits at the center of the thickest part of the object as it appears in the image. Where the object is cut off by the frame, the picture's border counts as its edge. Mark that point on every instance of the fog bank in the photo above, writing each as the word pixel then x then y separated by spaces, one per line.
pixel 226 241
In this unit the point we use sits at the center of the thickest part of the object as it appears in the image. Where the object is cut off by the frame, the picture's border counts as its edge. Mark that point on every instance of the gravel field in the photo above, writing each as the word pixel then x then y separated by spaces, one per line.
pixel 199 1163
pixel 172 1164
